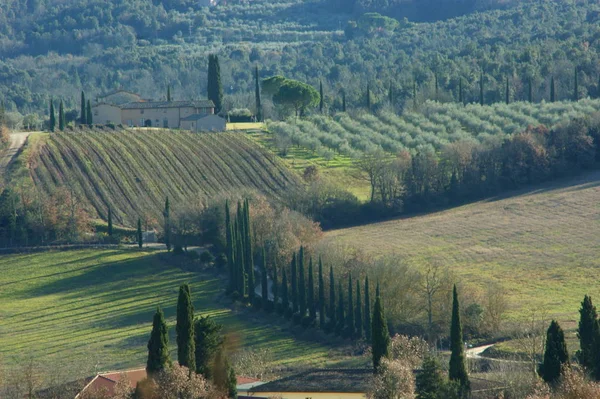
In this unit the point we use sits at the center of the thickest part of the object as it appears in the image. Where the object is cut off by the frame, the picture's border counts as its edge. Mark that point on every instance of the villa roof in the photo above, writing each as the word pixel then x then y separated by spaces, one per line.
pixel 168 104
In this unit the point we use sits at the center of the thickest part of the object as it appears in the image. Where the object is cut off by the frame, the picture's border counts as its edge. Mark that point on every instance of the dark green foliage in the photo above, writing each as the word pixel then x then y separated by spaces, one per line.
pixel 248 255
pixel 140 236
pixel 555 355
pixel 341 322
pixel 185 329
pixel 214 86
pixel 301 284
pixel 208 340
pixel 294 281
pixel 380 334
pixel 595 369
pixel 576 86
pixel 321 99
pixel 264 282
pixel 167 217
pixel 368 97
pixel 285 302
pixel 229 249
pixel 83 113
pixel 507 100
pixel 587 321
pixel 481 90
pixel 530 91
pixel 414 96
pixel 350 313
pixel 358 319
pixel 89 119
pixel 430 382
pixel 169 93
pixel 367 316
pixel 275 286
pixel 61 117
pixel 296 95
pixel 259 115
pixel 110 223
pixel 552 90
pixel 343 101
pixel 321 296
pixel 332 308
pixel 231 383
pixel 457 370
pixel 437 88
pixel 310 300
pixel 460 91
pixel 391 95
pixel 158 345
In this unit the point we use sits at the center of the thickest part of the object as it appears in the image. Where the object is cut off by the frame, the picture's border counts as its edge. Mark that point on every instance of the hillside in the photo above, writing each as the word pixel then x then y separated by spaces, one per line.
pixel 91 310
pixel 541 245
pixel 133 171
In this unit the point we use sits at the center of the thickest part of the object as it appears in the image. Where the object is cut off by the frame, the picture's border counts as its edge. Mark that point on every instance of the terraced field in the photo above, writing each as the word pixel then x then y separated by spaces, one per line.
pixel 134 171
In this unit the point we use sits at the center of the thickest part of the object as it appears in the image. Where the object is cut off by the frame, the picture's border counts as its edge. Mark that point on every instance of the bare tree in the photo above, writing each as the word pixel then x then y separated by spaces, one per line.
pixel 496 305
pixel 530 338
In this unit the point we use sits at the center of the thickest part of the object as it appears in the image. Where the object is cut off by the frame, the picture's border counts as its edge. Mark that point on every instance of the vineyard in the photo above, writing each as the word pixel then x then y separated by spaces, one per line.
pixel 134 171
pixel 434 126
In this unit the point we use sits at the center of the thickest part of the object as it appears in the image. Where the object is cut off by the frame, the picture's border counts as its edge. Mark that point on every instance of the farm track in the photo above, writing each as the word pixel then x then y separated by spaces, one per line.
pixel 17 141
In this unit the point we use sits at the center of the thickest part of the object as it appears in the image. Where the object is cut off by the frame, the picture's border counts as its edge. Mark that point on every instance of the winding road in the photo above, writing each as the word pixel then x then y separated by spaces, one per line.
pixel 17 140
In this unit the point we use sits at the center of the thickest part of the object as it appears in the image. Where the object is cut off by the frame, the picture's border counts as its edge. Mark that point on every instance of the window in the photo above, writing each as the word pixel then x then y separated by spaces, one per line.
pixel 129 122
pixel 142 112
pixel 165 123
pixel 142 122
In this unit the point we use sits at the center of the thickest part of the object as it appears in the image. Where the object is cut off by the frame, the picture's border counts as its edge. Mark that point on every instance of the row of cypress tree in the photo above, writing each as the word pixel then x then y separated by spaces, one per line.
pixel 85 118
pixel 239 252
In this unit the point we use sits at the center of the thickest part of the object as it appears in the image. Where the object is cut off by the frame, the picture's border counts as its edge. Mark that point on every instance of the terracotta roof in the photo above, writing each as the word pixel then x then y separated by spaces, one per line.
pixel 168 104
pixel 106 382
pixel 321 380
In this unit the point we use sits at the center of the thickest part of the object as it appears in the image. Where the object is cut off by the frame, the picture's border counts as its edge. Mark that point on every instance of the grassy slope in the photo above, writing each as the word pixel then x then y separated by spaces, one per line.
pixel 133 171
pixel 94 308
pixel 542 245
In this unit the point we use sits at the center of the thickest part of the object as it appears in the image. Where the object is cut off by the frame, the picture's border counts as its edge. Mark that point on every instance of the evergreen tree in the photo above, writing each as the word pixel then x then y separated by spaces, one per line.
pixel 285 302
pixel 377 290
pixel 507 92
pixel 301 284
pixel 481 91
pixel 83 118
pixel 576 86
pixel 437 88
pixel 239 240
pixel 185 329
pixel 415 94
pixel 61 116
pixel 229 248
pixel 430 382
pixel 140 236
pixel 167 216
pixel 343 101
pixel 380 334
pixel 367 318
pixel 52 116
pixel 231 383
pixel 264 284
pixel 332 309
pixel 555 355
pixel 248 256
pixel 587 320
pixel 391 95
pixel 312 310
pixel 341 323
pixel 168 93
pixel 275 286
pixel 457 369
pixel 294 281
pixel 358 320
pixel 552 90
pixel 89 118
pixel 208 341
pixel 321 100
pixel 530 95
pixel 259 115
pixel 158 345
pixel 595 369
pixel 110 223
pixel 368 97
pixel 350 314
pixel 214 86
pixel 460 91
pixel 321 296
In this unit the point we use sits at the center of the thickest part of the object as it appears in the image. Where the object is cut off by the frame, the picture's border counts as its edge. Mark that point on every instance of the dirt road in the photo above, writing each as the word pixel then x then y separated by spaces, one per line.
pixel 17 140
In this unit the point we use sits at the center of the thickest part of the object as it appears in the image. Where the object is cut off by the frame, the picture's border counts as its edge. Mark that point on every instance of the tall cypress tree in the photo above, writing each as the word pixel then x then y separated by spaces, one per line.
pixel 481 91
pixel 301 284
pixel 140 236
pixel 555 355
pixel 343 101
pixel 167 216
pixel 321 100
pixel 185 329
pixel 229 248
pixel 248 255
pixel 285 302
pixel 588 317
pixel 110 223
pixel 294 281
pixel 367 318
pixel 341 323
pixel 52 116
pixel 275 286
pixel 168 93
pixel 576 86
pixel 214 86
pixel 61 116
pixel 89 118
pixel 507 92
pixel 437 88
pixel 358 320
pixel 264 281
pixel 368 97
pixel 158 345
pixel 457 370
pixel 380 334
pixel 332 308
pixel 415 94
pixel 312 310
pixel 259 115
pixel 391 94
pixel 208 341
pixel 460 91
pixel 530 94
pixel 350 313
pixel 552 90
pixel 83 118
pixel 321 296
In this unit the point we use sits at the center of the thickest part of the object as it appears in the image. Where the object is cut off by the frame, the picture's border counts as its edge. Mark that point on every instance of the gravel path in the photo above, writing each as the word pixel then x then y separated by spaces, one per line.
pixel 17 140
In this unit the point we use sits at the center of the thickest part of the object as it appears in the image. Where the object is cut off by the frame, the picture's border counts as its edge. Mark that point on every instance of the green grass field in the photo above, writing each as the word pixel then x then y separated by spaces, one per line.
pixel 94 308
pixel 542 245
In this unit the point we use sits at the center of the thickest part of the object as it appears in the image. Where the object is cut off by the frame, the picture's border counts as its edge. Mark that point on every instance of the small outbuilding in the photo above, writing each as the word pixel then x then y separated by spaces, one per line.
pixel 203 123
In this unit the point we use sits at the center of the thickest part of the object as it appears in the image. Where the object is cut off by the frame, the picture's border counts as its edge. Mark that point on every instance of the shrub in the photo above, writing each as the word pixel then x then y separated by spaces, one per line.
pixel 178 250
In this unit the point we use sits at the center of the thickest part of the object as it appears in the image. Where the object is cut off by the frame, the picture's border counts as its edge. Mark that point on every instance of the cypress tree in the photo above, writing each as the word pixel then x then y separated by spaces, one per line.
pixel 481 92
pixel 341 323
pixel 368 97
pixel 61 116
pixel 301 284
pixel 332 309
pixel 380 334
pixel 312 310
pixel 83 119
pixel 264 281
pixel 231 387
pixel 185 329
pixel 530 95
pixel 437 88
pixel 415 94
pixel 460 91
pixel 576 86
pixel 239 254
pixel 507 92
pixel 89 118
pixel 158 345
pixel 555 355
pixel 586 331
pixel 140 236
pixel 358 320
pixel 110 223
pixel 367 318
pixel 167 216
pixel 214 86
pixel 350 314
pixel 391 95
pixel 275 286
pixel 457 369
pixel 377 290
pixel 52 116
pixel 430 381
pixel 285 302
pixel 552 90
pixel 168 93
pixel 259 115
pixel 208 341
pixel 321 296
pixel 294 281
pixel 229 248
pixel 321 96
pixel 595 369
pixel 343 101
pixel 248 256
